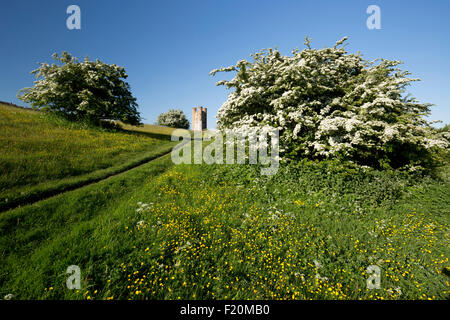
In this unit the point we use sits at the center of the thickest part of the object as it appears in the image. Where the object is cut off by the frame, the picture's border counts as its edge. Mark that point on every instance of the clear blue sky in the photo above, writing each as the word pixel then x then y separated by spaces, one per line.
pixel 169 47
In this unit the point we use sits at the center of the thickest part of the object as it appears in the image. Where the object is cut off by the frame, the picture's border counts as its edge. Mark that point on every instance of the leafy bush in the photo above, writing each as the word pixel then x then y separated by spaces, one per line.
pixel 330 104
pixel 89 90
pixel 174 119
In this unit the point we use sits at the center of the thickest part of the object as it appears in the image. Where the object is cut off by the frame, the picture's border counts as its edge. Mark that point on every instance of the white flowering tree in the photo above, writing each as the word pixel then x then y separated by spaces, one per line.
pixel 89 90
pixel 174 119
pixel 328 103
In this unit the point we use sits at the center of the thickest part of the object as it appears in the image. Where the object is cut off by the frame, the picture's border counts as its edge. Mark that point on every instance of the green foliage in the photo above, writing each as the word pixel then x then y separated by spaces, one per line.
pixel 331 104
pixel 174 119
pixel 90 90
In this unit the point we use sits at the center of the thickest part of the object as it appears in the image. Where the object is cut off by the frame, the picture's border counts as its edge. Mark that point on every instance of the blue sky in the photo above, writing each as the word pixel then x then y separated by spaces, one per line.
pixel 169 47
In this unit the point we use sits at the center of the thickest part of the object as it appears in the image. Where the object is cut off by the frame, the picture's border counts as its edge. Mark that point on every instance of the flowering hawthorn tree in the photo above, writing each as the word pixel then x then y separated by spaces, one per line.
pixel 83 90
pixel 328 103
pixel 173 118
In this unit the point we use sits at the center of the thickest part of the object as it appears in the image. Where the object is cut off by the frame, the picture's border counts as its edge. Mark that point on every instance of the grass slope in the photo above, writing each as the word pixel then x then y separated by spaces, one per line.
pixel 38 240
pixel 202 232
pixel 42 155
pixel 160 231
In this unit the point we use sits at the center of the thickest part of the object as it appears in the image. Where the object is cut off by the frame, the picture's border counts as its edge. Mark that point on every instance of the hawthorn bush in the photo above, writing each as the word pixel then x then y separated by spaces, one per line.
pixel 88 90
pixel 174 119
pixel 330 104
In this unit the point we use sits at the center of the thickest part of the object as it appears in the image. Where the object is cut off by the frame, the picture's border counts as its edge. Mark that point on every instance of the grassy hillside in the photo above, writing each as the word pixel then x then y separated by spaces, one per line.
pixel 201 232
pixel 38 240
pixel 41 154
pixel 150 129
pixel 160 231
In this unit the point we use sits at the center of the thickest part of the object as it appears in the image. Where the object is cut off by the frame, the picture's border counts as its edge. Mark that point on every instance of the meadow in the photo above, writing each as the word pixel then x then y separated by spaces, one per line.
pixel 161 231
pixel 156 230
pixel 310 232
pixel 42 155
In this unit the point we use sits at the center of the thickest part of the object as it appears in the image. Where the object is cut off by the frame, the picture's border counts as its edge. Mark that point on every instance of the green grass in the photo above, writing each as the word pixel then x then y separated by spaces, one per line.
pixel 37 241
pixel 41 155
pixel 202 232
pixel 159 231
pixel 149 129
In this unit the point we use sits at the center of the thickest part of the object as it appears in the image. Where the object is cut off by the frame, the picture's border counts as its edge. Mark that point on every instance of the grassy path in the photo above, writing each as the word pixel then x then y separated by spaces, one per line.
pixel 42 155
pixel 42 192
pixel 39 241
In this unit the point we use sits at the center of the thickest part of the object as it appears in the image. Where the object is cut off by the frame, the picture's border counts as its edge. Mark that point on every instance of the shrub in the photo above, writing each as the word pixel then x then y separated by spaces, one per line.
pixel 330 104
pixel 88 90
pixel 174 119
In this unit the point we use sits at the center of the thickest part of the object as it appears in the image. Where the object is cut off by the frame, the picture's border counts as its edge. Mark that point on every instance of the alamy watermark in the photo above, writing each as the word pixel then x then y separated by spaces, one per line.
pixel 74 280
pixel 374 20
pixel 374 279
pixel 257 147
pixel 73 22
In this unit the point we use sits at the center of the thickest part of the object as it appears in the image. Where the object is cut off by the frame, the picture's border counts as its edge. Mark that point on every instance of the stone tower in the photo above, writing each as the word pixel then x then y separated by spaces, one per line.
pixel 198 119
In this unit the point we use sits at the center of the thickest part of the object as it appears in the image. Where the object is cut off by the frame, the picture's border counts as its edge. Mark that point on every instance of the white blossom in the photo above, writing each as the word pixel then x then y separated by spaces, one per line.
pixel 327 103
